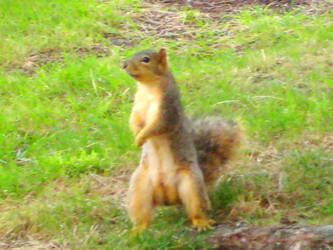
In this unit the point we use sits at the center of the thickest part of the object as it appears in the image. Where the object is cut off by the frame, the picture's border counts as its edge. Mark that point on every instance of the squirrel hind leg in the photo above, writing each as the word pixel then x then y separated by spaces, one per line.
pixel 193 194
pixel 140 204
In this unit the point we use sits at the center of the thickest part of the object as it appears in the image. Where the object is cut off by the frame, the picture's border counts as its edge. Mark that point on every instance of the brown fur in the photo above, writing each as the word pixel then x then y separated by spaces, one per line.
pixel 216 142
pixel 169 171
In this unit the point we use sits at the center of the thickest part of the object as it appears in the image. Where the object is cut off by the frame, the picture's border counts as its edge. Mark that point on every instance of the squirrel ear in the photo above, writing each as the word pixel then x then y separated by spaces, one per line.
pixel 163 58
pixel 162 53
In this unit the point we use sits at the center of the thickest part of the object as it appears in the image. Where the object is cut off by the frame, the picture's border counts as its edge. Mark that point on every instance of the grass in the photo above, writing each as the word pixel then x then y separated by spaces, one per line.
pixel 67 152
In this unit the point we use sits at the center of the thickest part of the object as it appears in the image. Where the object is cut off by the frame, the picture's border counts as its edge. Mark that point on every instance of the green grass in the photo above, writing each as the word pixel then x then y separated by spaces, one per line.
pixel 66 150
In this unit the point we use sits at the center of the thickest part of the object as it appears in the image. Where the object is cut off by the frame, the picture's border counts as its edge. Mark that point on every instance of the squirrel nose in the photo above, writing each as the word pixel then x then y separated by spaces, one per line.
pixel 125 65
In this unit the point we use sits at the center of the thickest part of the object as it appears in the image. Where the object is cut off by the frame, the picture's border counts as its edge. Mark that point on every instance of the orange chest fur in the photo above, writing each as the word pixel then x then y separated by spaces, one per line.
pixel 147 103
pixel 161 168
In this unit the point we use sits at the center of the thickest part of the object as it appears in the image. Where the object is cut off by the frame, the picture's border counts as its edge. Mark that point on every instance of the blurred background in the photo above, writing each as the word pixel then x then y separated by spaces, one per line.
pixel 66 151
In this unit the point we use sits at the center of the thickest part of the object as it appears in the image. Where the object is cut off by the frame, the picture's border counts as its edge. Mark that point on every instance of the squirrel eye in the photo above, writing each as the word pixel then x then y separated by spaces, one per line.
pixel 145 59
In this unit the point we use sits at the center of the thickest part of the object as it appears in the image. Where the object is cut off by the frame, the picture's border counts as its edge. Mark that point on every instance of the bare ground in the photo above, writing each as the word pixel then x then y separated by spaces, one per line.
pixel 282 237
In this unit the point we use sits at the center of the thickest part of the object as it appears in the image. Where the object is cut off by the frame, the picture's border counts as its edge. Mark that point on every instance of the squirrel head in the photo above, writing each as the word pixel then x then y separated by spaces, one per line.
pixel 147 65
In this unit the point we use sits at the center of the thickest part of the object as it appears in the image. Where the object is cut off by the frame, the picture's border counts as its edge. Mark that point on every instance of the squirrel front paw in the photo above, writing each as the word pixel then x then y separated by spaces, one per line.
pixel 139 140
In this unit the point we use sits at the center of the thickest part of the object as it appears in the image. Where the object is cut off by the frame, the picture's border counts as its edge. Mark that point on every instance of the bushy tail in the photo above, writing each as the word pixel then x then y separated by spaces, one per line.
pixel 216 142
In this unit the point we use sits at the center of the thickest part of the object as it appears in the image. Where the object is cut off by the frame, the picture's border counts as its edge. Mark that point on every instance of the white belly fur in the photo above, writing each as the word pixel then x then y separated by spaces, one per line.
pixel 161 163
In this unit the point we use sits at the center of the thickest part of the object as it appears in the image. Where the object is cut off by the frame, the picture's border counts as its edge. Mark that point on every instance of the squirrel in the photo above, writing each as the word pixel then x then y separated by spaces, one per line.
pixel 179 156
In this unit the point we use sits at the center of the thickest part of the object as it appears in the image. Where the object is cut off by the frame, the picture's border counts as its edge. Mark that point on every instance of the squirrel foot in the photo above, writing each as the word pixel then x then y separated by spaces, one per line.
pixel 203 224
pixel 137 229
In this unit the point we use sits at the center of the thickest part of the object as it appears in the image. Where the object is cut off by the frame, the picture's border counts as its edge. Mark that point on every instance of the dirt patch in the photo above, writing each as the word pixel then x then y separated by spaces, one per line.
pixel 36 59
pixel 154 21
pixel 117 40
pixel 97 49
pixel 215 7
pixel 54 55
pixel 314 141
pixel 30 244
pixel 245 236
pixel 163 18
pixel 113 187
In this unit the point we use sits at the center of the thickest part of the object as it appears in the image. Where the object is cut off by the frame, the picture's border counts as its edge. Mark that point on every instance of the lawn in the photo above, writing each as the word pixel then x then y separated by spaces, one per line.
pixel 66 150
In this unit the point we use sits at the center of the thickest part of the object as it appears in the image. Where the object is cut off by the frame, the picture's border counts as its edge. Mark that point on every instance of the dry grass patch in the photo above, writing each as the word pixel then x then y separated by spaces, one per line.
pixel 279 181
pixel 157 21
pixel 36 59
pixel 31 243
pixel 217 7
